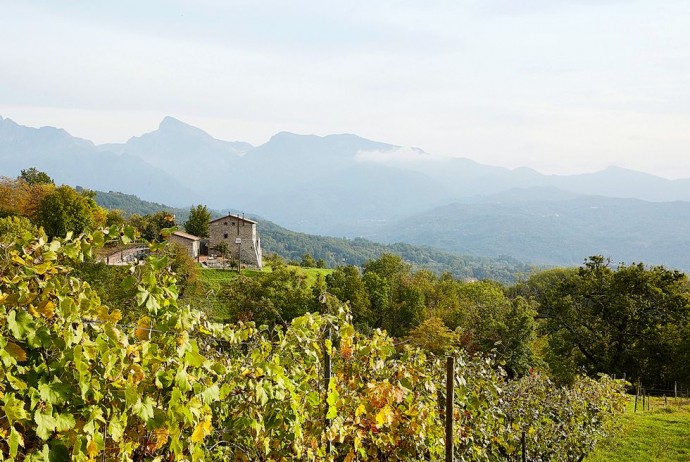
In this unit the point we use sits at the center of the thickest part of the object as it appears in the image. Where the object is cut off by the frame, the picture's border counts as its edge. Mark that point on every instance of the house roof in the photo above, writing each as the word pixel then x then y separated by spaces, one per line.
pixel 184 235
pixel 236 217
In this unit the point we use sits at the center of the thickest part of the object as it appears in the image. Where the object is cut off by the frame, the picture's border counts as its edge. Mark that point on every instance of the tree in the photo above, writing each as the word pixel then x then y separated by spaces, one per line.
pixel 33 177
pixel 623 320
pixel 197 224
pixel 65 210
pixel 150 226
pixel 347 285
pixel 307 261
pixel 17 197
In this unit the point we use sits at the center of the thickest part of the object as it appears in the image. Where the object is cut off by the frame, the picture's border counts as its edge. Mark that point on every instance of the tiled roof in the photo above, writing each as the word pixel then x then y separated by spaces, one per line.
pixel 236 217
pixel 184 235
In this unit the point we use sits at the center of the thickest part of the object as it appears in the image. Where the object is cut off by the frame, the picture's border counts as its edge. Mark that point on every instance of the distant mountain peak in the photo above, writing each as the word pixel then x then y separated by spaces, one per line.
pixel 172 125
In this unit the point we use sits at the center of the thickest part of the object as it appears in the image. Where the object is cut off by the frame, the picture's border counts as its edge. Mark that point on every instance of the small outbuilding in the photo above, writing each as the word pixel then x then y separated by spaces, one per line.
pixel 188 241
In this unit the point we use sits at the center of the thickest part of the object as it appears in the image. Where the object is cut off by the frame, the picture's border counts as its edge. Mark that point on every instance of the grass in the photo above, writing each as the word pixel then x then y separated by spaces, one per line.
pixel 214 278
pixel 661 434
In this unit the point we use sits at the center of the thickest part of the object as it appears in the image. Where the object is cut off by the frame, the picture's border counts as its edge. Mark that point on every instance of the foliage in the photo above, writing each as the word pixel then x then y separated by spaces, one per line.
pixel 132 205
pixel 197 223
pixel 18 197
pixel 13 227
pixel 564 423
pixel 66 210
pixel 489 320
pixel 347 285
pixel 151 227
pixel 79 382
pixel 434 336
pixel 628 320
pixel 272 297
pixel 308 261
pixel 33 177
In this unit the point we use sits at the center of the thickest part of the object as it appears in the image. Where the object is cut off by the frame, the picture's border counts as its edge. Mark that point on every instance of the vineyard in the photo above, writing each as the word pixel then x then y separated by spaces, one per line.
pixel 83 381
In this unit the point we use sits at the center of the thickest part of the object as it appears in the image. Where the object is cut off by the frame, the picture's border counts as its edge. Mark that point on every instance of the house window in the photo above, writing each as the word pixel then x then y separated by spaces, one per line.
pixel 225 223
pixel 233 223
pixel 225 236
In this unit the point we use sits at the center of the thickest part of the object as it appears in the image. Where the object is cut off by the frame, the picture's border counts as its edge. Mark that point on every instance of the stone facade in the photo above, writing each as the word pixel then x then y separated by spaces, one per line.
pixel 232 229
pixel 188 241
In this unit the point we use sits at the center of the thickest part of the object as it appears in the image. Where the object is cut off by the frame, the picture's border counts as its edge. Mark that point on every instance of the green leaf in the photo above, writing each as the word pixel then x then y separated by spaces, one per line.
pixel 54 393
pixel 64 422
pixel 14 441
pixel 194 359
pixel 116 427
pixel 210 394
pixel 14 409
pixel 45 424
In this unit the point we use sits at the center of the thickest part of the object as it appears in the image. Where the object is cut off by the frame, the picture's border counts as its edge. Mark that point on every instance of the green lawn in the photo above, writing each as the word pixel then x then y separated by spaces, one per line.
pixel 660 434
pixel 216 277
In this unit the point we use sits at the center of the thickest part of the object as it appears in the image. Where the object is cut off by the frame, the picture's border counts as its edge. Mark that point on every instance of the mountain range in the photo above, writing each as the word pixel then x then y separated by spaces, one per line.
pixel 345 185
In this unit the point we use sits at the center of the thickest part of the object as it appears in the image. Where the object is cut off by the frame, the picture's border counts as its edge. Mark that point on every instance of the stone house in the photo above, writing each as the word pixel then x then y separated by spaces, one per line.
pixel 240 235
pixel 188 241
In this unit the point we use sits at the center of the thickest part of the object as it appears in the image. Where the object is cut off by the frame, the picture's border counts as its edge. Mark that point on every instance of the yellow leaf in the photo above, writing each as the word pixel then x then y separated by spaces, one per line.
pixel 16 351
pixel 202 429
pixel 384 416
pixel 92 449
pixel 115 315
pixel 32 310
pixel 47 308
pixel 143 329
pixel 360 410
pixel 350 456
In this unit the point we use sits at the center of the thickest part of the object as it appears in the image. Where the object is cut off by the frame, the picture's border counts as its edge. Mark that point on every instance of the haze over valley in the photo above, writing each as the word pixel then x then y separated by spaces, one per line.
pixel 346 186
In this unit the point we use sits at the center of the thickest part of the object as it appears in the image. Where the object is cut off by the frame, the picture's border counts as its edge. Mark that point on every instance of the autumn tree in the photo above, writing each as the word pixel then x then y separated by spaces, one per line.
pixel 17 197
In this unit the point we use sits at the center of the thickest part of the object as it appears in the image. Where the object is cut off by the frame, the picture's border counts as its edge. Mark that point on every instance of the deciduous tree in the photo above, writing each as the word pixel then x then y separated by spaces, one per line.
pixel 197 223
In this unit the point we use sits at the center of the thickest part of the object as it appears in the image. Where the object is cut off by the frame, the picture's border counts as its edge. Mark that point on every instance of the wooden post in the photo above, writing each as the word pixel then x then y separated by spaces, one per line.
pixel 327 383
pixel 523 441
pixel 665 401
pixel 637 394
pixel 450 399
pixel 675 390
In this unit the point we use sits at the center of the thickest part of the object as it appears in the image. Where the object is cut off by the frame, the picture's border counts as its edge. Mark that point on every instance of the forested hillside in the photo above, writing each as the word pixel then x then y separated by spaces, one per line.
pixel 340 251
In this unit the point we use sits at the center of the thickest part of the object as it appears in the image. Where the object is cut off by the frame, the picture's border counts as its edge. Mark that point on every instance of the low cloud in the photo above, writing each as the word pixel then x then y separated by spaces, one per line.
pixel 395 155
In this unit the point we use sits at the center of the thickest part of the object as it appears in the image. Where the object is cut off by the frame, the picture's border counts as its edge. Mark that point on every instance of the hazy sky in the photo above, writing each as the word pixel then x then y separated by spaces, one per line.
pixel 557 85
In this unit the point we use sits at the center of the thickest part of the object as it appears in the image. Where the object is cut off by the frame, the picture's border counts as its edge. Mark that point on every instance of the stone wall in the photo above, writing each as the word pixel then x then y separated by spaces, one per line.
pixel 229 229
pixel 192 246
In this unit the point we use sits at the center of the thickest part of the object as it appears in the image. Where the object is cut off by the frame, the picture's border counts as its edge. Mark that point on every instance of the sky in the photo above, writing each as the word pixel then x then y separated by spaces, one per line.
pixel 561 86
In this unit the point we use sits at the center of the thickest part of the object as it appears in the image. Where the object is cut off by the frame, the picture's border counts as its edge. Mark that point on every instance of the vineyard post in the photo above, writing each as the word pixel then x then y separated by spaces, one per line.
pixel 327 383
pixel 523 441
pixel 665 401
pixel 450 398
pixel 675 391
pixel 637 394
